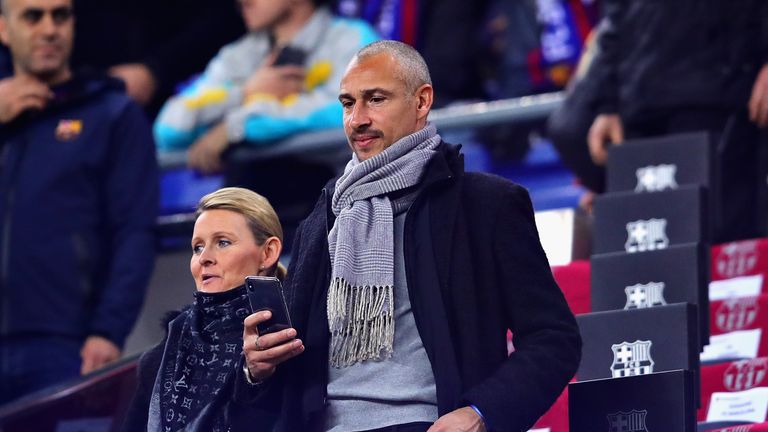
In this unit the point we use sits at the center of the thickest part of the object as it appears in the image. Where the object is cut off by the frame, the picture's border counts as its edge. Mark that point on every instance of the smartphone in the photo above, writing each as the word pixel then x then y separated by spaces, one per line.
pixel 266 293
pixel 290 56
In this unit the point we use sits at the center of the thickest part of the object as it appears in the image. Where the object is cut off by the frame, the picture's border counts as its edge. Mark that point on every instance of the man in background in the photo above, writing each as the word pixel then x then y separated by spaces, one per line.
pixel 152 53
pixel 78 198
pixel 278 80
pixel 683 66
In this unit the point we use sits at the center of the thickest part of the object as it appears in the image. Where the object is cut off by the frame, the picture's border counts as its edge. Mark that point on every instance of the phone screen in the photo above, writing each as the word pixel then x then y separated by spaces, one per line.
pixel 266 293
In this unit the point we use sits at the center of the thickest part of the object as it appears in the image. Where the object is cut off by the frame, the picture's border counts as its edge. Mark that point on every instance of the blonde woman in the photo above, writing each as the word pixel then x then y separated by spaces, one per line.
pixel 186 381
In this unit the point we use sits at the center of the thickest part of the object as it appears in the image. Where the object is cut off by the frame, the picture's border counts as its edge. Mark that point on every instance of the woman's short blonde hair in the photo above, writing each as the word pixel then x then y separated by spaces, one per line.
pixel 258 212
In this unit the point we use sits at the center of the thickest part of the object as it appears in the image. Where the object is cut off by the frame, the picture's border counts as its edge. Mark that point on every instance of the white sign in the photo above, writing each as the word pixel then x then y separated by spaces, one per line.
pixel 748 406
pixel 556 234
pixel 540 430
pixel 735 345
pixel 745 286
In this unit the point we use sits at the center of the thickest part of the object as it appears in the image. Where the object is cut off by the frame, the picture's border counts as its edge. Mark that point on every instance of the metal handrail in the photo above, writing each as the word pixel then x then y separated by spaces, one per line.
pixel 39 400
pixel 332 141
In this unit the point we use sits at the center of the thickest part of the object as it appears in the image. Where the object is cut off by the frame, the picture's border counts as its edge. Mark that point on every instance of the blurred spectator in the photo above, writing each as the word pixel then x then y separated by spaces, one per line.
pixel 568 125
pixel 78 198
pixel 511 33
pixel 151 45
pixel 533 47
pixel 445 32
pixel 687 65
pixel 280 79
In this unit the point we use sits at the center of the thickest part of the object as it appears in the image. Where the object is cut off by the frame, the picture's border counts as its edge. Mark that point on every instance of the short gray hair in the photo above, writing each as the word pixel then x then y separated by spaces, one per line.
pixel 412 70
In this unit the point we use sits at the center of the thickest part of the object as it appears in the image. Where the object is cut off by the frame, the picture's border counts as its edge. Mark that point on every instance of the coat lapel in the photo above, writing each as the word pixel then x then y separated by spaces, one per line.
pixel 443 179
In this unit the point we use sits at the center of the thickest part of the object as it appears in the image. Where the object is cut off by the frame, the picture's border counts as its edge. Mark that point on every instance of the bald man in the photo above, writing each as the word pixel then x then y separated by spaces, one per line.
pixel 404 281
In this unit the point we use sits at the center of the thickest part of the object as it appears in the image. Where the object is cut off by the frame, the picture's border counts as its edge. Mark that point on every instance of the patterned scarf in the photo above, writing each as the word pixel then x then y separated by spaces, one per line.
pixel 201 353
pixel 361 246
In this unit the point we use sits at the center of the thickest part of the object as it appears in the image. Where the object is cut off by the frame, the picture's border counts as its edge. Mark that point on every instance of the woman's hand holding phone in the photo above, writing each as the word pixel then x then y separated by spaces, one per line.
pixel 263 353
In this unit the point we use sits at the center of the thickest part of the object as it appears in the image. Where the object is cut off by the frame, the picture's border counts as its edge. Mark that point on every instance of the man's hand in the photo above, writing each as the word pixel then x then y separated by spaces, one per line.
pixel 21 93
pixel 587 202
pixel 277 81
pixel 139 82
pixel 605 128
pixel 205 154
pixel 97 352
pixel 264 353
pixel 461 420
pixel 758 102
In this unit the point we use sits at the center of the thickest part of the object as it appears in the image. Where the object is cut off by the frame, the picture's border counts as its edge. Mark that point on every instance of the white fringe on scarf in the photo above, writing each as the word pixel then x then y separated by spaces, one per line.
pixel 361 322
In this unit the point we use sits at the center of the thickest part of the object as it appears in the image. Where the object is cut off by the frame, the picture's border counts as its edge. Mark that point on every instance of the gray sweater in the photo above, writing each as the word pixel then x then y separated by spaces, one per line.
pixel 398 390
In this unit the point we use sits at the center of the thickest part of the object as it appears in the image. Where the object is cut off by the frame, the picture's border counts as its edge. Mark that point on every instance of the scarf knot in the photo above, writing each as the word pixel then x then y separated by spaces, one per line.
pixel 361 246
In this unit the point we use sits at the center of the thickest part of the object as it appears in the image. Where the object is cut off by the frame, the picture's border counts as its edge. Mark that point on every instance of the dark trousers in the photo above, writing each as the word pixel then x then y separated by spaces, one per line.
pixel 28 364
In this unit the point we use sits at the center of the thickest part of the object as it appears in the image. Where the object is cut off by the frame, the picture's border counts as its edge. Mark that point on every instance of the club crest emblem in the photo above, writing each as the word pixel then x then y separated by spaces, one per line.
pixel 745 374
pixel 656 178
pixel 736 314
pixel 633 421
pixel 646 235
pixel 68 130
pixel 736 259
pixel 631 359
pixel 641 296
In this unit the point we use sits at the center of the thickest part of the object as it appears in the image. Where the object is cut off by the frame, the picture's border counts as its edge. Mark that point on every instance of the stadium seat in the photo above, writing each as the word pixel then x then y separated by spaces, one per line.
pixel 573 280
pixel 731 377
pixel 741 258
pixel 757 427
pixel 556 418
pixel 737 314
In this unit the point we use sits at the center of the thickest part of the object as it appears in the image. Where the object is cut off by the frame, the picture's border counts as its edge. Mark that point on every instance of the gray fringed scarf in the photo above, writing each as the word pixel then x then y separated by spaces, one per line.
pixel 361 245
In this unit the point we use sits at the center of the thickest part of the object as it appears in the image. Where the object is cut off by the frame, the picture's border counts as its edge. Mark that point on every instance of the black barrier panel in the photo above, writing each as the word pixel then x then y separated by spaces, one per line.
pixel 677 274
pixel 656 402
pixel 660 163
pixel 632 342
pixel 629 222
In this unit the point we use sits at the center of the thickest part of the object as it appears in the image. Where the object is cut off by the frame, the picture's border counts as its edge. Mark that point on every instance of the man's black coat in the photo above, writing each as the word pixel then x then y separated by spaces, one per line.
pixel 475 268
